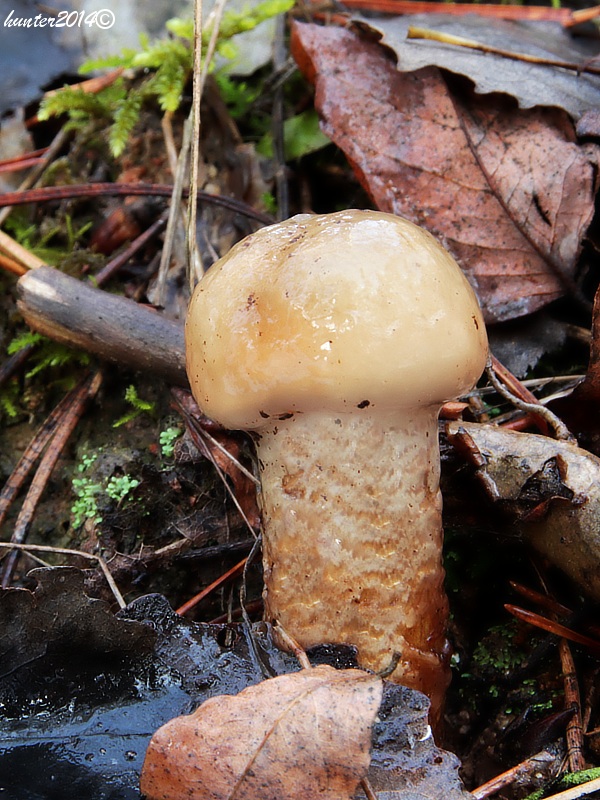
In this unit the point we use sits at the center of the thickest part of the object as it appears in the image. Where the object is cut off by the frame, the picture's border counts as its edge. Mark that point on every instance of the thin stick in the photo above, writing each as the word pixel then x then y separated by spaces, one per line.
pixel 36 173
pixel 368 789
pixel 10 265
pixel 197 598
pixel 574 733
pixel 174 211
pixel 564 16
pixel 90 85
pixel 71 415
pixel 293 646
pixel 197 433
pixel 232 458
pixel 550 625
pixel 559 428
pixel 31 455
pixel 577 791
pixel 42 548
pixel 18 253
pixel 115 264
pixel 201 65
pixel 45 194
pixel 281 181
pixel 459 41
pixel 510 776
pixel 194 260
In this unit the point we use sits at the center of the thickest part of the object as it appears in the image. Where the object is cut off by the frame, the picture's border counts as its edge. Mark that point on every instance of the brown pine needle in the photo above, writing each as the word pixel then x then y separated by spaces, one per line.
pixel 552 627
pixel 197 598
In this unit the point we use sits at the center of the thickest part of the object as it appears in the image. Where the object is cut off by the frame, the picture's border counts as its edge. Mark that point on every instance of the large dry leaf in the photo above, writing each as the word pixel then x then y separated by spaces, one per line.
pixel 530 84
pixel 307 735
pixel 509 192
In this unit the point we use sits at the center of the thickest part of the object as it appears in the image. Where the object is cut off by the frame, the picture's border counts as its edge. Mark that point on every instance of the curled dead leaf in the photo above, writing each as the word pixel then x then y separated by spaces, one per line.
pixel 304 734
pixel 550 488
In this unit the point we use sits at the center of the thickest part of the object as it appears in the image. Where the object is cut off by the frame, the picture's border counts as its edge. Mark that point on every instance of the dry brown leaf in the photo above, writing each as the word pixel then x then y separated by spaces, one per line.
pixel 307 734
pixel 509 192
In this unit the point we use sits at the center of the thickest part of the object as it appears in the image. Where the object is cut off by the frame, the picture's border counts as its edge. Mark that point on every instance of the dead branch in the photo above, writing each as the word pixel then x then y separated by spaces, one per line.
pixel 114 328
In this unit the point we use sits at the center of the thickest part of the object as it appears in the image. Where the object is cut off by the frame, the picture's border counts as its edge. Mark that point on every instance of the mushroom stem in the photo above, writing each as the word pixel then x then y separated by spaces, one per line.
pixel 353 537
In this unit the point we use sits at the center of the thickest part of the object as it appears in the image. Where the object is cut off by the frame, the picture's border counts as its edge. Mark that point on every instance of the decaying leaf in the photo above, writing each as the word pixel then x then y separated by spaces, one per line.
pixel 509 192
pixel 550 488
pixel 83 707
pixel 305 734
pixel 59 617
pixel 530 84
pixel 405 762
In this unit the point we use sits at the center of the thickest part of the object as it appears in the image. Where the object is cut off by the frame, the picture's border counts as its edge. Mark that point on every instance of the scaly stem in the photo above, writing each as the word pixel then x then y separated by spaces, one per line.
pixel 353 538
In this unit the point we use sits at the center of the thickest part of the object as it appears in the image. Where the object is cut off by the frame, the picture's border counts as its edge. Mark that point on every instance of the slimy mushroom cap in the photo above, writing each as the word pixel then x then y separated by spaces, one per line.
pixel 348 310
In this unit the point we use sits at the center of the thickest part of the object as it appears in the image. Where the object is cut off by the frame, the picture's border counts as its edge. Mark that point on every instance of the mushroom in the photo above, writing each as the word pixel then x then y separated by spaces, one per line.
pixel 336 338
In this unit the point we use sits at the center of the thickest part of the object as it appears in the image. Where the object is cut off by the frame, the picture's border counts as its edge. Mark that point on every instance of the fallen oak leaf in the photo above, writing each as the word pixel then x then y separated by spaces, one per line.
pixel 307 733
pixel 508 191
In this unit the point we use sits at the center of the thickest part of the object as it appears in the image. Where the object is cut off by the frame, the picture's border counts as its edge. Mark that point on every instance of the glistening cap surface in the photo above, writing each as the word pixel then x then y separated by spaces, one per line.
pixel 348 310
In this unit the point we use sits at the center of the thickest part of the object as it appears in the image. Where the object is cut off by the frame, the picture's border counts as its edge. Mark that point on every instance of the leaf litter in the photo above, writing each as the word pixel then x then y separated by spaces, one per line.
pixel 309 731
pixel 113 687
pixel 530 84
pixel 508 191
pixel 537 185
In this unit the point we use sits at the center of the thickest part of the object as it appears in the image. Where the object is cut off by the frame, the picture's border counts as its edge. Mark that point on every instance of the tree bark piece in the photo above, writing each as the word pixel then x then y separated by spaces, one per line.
pixel 114 328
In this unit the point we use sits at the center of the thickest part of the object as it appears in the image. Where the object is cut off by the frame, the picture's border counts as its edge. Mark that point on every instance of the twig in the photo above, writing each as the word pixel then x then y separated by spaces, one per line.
pixel 545 624
pixel 564 16
pixel 20 163
pixel 543 600
pixel 232 458
pixel 116 263
pixel 36 173
pixel 66 424
pixel 194 265
pixel 574 733
pixel 46 194
pixel 368 789
pixel 18 253
pixel 10 265
pixel 174 212
pixel 197 598
pixel 31 455
pixel 90 85
pixel 292 645
pixel 197 435
pixel 280 168
pixel 560 429
pixel 15 362
pixel 460 41
pixel 577 791
pixel 42 548
pixel 511 775
pixel 117 329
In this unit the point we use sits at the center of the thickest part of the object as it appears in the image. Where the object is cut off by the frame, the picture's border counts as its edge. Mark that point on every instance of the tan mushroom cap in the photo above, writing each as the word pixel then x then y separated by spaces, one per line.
pixel 348 310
